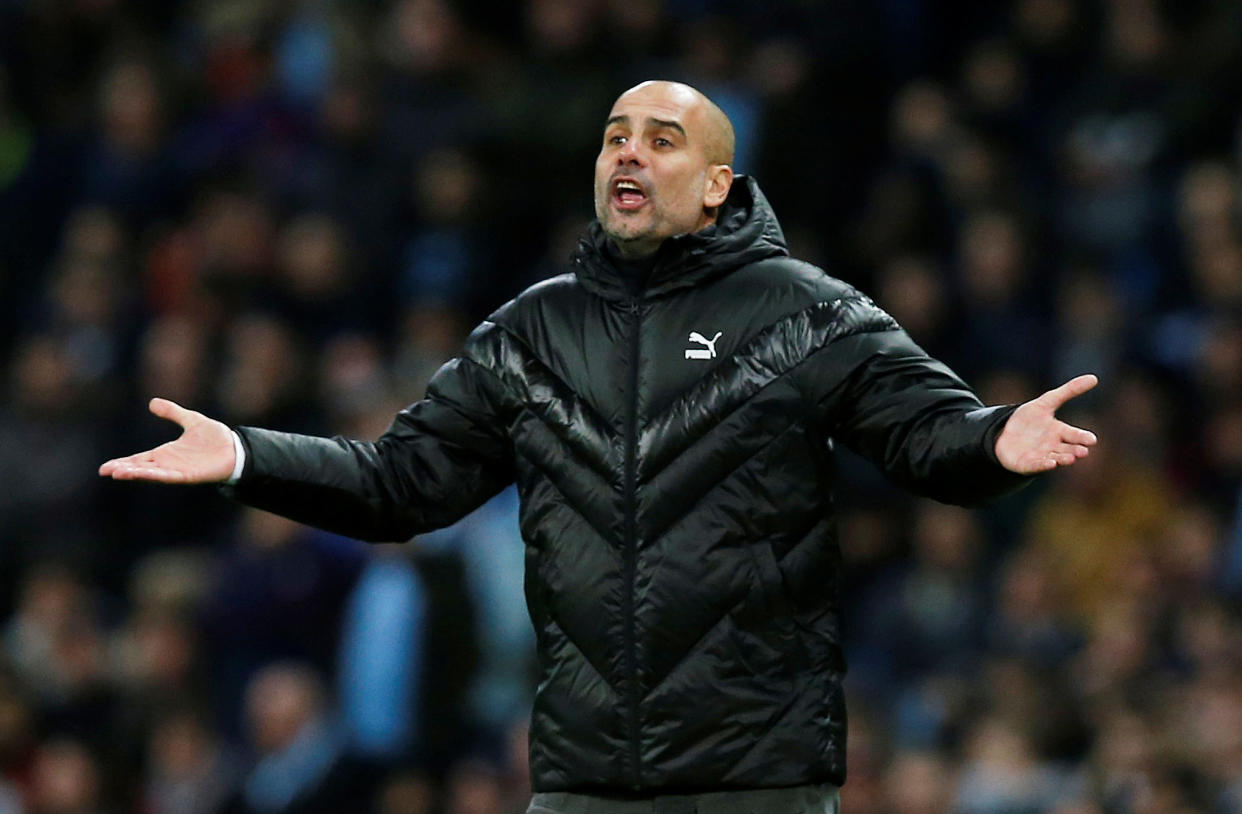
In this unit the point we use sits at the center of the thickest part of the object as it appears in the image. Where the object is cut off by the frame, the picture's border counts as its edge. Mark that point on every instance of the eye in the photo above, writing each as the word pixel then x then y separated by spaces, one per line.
pixel 663 142
pixel 616 140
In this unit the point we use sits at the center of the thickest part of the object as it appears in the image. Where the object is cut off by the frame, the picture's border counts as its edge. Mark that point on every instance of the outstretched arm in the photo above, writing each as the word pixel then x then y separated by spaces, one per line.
pixel 1034 440
pixel 884 397
pixel 441 457
pixel 202 454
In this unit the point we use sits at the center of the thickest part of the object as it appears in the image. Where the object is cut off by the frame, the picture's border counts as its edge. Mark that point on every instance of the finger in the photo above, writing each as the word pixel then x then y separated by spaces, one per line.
pixel 149 472
pixel 1076 435
pixel 1067 454
pixel 1074 388
pixel 108 467
pixel 1045 464
pixel 170 410
pixel 1063 458
pixel 150 475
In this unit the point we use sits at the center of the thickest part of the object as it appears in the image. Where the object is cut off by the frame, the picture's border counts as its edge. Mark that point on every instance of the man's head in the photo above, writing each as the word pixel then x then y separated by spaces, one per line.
pixel 663 169
pixel 281 699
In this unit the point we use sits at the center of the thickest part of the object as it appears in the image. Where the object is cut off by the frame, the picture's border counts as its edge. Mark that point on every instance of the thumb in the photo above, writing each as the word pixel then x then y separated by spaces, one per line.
pixel 171 411
pixel 1074 388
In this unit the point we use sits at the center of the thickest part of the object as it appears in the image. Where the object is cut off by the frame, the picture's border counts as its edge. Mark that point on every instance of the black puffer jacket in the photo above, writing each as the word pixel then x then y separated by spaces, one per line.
pixel 673 453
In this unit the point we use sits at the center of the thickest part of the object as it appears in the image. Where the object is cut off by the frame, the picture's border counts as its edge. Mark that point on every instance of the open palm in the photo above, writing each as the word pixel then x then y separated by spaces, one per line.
pixel 1034 440
pixel 203 454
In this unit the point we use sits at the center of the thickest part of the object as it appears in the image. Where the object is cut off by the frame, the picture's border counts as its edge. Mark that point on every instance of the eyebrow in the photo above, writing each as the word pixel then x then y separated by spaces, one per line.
pixel 670 124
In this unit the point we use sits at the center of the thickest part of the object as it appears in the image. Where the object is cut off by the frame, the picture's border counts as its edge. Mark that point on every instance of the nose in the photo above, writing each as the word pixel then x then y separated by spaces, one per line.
pixel 631 153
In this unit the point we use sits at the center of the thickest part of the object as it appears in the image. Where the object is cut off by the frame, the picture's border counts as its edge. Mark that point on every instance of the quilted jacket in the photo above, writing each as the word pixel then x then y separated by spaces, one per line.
pixel 673 454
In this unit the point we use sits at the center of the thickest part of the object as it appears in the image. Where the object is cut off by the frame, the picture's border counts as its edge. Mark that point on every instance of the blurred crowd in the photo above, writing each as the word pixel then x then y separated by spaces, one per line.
pixel 288 213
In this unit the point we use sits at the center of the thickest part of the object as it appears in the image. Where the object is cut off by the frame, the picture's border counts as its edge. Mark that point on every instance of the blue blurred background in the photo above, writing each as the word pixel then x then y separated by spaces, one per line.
pixel 289 212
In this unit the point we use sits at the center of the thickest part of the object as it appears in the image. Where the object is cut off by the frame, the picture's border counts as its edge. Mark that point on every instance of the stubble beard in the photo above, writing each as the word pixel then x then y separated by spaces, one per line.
pixel 631 239
pixel 634 242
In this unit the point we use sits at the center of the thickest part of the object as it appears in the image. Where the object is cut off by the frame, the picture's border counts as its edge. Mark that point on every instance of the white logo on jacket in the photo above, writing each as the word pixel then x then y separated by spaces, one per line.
pixel 703 353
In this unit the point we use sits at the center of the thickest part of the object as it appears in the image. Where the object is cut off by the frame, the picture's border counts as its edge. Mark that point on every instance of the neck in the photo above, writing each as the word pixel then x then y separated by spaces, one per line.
pixel 640 249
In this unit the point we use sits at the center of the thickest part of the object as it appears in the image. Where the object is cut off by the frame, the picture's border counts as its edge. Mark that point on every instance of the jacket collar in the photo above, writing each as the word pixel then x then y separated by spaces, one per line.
pixel 745 231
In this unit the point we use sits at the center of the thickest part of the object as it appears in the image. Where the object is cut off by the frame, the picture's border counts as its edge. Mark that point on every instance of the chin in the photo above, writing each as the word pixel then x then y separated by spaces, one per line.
pixel 623 234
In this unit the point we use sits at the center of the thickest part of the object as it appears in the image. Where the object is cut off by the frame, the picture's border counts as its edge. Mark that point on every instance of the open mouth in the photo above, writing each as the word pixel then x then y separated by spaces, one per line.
pixel 628 194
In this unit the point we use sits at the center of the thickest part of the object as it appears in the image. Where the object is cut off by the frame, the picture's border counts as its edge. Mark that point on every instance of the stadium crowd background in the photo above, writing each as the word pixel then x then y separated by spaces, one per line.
pixel 289 213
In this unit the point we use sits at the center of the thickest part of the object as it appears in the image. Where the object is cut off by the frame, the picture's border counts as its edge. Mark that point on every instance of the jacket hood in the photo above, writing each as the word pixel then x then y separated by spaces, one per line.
pixel 745 231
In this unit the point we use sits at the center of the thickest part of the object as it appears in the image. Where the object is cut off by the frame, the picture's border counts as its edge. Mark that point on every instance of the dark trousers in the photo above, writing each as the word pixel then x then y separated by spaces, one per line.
pixel 822 799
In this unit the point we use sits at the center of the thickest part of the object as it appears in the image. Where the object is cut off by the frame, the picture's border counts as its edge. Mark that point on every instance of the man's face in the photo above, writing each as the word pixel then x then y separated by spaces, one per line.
pixel 653 178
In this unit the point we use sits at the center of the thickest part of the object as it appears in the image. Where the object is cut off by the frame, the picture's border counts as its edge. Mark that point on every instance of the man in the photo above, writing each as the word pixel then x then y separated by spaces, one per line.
pixel 668 411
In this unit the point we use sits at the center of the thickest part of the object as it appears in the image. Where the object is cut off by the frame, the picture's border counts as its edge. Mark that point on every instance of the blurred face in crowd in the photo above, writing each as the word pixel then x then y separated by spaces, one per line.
pixel 65 778
pixel 663 168
pixel 280 700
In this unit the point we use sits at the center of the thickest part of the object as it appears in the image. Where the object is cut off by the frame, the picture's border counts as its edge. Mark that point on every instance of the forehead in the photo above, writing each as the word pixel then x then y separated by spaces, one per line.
pixel 668 103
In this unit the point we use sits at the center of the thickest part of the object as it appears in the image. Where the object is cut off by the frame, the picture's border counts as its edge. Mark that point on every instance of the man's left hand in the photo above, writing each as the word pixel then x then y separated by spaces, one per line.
pixel 1035 441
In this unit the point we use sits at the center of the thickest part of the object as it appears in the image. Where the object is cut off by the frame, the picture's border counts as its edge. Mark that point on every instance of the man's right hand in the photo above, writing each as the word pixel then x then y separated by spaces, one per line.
pixel 203 454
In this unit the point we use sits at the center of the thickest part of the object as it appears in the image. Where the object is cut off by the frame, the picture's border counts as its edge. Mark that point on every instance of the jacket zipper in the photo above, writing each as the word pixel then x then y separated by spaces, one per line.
pixel 631 542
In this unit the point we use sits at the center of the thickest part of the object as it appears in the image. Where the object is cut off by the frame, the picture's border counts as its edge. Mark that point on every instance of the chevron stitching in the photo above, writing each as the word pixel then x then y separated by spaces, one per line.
pixel 569 639
pixel 569 504
pixel 675 666
pixel 592 465
pixel 802 537
pixel 522 383
pixel 696 412
pixel 652 535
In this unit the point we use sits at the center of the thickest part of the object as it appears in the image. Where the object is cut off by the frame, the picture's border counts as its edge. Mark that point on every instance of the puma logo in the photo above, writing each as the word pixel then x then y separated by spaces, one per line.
pixel 703 353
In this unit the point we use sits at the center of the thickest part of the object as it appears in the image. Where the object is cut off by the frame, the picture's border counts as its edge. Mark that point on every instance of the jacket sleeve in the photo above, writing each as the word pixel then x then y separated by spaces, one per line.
pixel 884 397
pixel 441 457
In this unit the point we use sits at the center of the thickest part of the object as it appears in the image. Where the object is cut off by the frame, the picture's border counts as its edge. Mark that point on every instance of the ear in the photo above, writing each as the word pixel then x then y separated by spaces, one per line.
pixel 716 186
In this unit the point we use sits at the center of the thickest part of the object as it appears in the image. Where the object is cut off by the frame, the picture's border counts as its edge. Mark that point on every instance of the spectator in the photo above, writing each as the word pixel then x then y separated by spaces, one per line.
pixel 278 594
pixel 315 287
pixel 189 770
pixel 129 168
pixel 65 780
pixel 298 765
pixel 405 793
pixel 918 783
pixel 1003 773
pixel 927 618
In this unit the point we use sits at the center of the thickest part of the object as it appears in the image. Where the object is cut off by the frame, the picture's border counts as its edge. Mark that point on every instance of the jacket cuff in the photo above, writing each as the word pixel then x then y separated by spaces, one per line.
pixel 997 420
pixel 239 459
pixel 241 447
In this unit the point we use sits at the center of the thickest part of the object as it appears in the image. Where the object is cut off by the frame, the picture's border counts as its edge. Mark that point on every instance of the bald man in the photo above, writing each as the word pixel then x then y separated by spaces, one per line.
pixel 668 408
